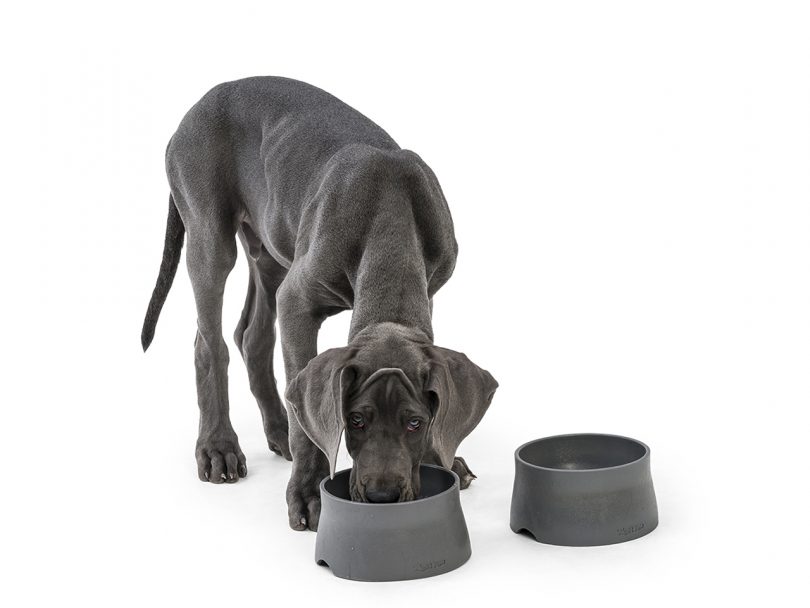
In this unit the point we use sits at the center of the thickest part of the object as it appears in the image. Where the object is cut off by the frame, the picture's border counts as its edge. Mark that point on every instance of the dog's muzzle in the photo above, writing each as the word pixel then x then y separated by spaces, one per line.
pixel 389 495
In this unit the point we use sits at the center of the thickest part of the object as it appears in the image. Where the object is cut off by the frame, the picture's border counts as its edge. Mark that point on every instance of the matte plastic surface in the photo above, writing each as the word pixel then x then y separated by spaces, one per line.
pixel 393 541
pixel 583 490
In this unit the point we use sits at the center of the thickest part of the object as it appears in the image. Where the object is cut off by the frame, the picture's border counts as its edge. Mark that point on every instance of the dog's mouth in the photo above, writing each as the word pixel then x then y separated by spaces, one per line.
pixel 366 488
pixel 359 493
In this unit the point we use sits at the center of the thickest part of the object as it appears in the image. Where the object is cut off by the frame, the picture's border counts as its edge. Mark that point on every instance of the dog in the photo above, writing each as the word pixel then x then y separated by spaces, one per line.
pixel 333 215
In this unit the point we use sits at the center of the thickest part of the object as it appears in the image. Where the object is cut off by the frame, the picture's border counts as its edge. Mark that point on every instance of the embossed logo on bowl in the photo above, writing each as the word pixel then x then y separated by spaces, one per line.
pixel 628 530
pixel 421 567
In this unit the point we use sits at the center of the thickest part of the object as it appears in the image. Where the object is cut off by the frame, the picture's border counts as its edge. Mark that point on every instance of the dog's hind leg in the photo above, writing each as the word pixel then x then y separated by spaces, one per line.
pixel 210 256
pixel 255 336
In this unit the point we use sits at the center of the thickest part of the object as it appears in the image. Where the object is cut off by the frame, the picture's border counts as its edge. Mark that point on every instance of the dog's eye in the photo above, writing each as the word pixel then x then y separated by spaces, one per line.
pixel 357 420
pixel 414 424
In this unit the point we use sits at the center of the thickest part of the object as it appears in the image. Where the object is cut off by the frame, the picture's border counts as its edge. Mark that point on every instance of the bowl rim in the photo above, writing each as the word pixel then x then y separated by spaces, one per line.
pixel 372 505
pixel 644 456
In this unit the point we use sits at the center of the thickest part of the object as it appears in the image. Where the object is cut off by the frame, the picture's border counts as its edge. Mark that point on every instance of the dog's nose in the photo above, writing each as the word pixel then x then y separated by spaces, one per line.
pixel 390 495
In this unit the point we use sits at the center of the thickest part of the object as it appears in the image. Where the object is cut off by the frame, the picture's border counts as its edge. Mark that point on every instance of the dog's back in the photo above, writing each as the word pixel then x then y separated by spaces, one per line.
pixel 266 138
pixel 260 149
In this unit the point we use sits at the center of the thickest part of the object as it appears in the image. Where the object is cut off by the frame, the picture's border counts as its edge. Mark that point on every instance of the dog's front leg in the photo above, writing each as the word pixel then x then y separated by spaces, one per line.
pixel 309 468
pixel 299 324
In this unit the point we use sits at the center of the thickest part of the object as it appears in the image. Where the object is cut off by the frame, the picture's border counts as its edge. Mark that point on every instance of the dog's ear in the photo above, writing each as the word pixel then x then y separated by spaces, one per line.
pixel 317 396
pixel 460 393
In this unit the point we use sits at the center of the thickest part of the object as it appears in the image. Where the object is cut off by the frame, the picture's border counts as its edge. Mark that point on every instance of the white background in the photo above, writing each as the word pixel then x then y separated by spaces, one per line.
pixel 630 184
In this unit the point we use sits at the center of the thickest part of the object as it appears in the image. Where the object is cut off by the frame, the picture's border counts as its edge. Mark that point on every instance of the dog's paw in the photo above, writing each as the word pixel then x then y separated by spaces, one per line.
pixel 220 459
pixel 465 475
pixel 303 505
pixel 278 440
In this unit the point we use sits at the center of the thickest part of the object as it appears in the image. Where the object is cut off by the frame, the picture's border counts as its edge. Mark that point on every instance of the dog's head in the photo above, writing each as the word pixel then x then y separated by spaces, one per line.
pixel 399 399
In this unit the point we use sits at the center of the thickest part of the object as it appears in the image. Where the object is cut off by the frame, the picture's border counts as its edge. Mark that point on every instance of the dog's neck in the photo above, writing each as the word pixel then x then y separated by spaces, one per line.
pixel 392 287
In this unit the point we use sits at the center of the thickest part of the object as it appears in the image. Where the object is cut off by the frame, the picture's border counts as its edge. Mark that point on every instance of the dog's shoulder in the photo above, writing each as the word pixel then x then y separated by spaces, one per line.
pixel 389 185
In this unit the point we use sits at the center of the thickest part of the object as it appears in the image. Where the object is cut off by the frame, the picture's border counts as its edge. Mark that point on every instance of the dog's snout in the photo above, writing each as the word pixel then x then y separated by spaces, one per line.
pixel 386 495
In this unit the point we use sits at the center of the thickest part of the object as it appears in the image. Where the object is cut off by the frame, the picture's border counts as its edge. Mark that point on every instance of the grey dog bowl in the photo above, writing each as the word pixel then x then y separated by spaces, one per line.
pixel 393 541
pixel 583 490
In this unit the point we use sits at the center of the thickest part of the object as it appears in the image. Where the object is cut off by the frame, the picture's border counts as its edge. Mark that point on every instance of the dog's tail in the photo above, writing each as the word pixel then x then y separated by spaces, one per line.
pixel 168 268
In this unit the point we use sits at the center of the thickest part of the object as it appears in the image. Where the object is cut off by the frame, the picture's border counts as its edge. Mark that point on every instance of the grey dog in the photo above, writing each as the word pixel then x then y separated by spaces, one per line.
pixel 332 216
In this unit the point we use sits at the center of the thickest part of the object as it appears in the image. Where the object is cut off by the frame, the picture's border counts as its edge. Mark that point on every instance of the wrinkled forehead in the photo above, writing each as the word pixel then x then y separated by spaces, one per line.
pixel 387 390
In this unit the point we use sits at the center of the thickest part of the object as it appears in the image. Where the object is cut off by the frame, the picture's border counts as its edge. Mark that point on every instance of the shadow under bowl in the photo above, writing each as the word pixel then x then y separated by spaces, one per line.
pixel 583 490
pixel 393 541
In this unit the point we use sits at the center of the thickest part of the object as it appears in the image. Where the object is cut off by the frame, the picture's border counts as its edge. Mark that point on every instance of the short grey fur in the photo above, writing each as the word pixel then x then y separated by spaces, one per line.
pixel 333 215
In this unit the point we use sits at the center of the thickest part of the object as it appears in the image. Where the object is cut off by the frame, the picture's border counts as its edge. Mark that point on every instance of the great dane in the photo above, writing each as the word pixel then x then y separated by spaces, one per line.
pixel 332 216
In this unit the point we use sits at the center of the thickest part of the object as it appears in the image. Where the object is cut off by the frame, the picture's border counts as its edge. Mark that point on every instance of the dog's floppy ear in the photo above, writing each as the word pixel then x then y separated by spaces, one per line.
pixel 460 393
pixel 317 395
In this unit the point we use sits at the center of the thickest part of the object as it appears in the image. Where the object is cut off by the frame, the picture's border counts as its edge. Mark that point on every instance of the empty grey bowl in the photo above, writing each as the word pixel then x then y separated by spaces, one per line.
pixel 393 541
pixel 583 490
